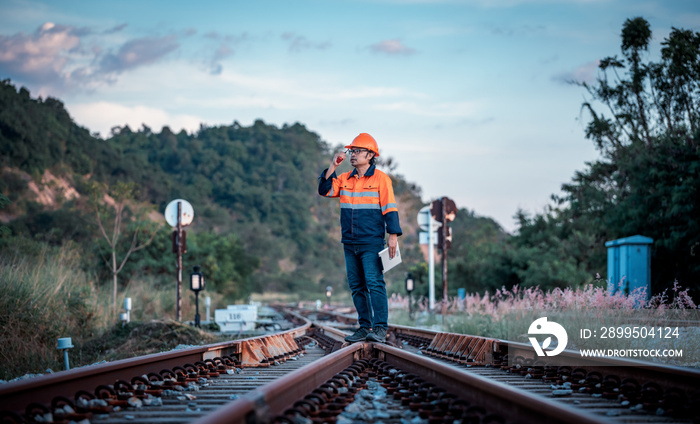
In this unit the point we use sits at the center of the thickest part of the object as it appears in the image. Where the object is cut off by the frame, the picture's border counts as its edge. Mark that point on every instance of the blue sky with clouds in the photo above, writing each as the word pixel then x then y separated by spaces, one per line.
pixel 470 98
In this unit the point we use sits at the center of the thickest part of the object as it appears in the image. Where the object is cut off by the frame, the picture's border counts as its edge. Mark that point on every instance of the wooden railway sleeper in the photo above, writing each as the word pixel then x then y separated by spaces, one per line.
pixel 460 355
pixel 448 341
pixel 268 350
pixel 469 350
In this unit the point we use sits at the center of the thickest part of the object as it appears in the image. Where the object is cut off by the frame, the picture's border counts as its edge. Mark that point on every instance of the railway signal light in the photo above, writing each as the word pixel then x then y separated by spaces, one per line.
pixel 444 211
pixel 196 285
pixel 409 283
pixel 196 279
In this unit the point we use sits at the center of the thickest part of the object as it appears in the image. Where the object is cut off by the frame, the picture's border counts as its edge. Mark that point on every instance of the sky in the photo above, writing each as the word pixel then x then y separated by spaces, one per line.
pixel 471 99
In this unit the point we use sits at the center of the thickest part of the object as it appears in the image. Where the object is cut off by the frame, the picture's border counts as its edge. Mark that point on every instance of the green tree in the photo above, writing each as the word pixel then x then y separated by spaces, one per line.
pixel 644 121
pixel 478 258
pixel 225 262
pixel 646 100
pixel 254 183
pixel 36 134
pixel 649 182
pixel 125 224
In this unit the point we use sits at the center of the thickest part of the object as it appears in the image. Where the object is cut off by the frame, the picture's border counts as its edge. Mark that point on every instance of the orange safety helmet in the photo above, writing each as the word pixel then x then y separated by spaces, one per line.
pixel 365 141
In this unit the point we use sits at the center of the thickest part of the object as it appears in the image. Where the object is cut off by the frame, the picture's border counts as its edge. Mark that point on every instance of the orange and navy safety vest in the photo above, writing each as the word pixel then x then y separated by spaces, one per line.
pixel 367 206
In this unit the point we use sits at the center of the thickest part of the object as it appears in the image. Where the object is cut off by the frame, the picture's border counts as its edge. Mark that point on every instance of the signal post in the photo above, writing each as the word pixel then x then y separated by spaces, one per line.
pixel 444 211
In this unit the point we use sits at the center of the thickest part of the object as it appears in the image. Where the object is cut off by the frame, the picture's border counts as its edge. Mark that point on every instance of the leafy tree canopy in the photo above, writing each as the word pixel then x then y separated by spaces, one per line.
pixel 644 120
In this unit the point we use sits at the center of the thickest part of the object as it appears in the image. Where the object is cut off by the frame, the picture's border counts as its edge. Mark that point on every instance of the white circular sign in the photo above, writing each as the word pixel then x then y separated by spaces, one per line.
pixel 186 213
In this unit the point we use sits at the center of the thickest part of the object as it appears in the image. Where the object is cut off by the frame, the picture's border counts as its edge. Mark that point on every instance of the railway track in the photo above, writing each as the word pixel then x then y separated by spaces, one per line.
pixel 620 390
pixel 308 374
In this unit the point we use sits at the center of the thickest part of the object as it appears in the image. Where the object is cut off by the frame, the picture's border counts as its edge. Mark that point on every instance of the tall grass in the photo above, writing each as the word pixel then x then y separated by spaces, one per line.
pixel 507 315
pixel 44 296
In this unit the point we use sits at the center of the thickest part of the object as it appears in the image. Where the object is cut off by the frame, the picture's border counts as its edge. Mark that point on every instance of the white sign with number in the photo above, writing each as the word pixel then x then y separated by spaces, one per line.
pixel 237 318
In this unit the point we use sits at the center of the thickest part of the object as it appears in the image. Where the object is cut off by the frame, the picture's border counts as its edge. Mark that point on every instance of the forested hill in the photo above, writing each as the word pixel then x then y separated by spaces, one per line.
pixel 253 190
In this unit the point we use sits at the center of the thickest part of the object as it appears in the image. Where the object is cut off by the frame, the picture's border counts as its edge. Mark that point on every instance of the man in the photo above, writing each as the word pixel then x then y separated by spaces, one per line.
pixel 367 212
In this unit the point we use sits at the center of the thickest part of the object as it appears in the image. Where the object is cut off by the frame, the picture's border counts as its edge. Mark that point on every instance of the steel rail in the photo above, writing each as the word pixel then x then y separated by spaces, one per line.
pixel 270 400
pixel 452 345
pixel 264 403
pixel 477 350
pixel 254 351
pixel 640 381
pixel 514 404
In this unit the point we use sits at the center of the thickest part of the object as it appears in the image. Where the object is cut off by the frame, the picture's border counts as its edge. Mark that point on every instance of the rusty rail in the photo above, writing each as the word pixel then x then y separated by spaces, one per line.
pixel 263 404
pixel 657 387
pixel 266 402
pixel 476 350
pixel 258 351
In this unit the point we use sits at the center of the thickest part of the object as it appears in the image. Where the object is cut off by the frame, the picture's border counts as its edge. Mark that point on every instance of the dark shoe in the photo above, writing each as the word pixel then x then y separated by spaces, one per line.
pixel 359 335
pixel 377 335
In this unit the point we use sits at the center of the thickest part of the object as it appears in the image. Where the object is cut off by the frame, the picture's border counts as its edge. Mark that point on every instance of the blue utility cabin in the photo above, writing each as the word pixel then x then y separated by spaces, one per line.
pixel 629 264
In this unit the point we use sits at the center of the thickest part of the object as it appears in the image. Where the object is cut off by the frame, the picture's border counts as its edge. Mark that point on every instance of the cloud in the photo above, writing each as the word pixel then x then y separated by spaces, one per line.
pixel 138 52
pixel 53 59
pixel 41 57
pixel 236 39
pixel 297 43
pixel 222 52
pixel 391 47
pixel 117 28
pixel 584 73
pixel 213 61
pixel 103 116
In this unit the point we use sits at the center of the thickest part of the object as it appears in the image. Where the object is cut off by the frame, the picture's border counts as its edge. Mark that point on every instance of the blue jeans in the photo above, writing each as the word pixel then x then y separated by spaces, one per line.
pixel 366 281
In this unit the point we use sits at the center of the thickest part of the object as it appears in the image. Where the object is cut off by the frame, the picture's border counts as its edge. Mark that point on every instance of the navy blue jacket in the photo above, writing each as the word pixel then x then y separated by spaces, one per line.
pixel 367 205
